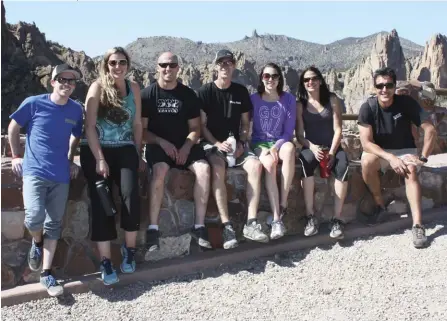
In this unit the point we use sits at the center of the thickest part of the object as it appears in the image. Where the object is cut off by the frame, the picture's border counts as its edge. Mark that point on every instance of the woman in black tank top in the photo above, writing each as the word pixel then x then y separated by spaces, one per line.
pixel 319 125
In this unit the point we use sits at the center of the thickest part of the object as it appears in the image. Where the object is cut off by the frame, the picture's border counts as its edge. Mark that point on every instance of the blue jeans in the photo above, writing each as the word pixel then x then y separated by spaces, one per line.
pixel 45 203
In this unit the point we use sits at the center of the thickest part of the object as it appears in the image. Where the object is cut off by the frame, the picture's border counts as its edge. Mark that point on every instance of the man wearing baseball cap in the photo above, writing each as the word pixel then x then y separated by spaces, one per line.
pixel 424 93
pixel 53 124
pixel 226 106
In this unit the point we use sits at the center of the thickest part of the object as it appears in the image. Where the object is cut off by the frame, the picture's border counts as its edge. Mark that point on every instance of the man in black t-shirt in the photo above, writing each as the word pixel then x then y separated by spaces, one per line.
pixel 171 114
pixel 385 126
pixel 225 112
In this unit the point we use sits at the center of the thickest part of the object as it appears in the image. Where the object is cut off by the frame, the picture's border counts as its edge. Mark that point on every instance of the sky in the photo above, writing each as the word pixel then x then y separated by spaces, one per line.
pixel 95 26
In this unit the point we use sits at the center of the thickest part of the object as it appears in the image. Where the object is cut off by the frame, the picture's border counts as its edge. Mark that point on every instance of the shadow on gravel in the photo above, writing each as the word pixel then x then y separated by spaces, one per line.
pixel 66 300
pixel 440 232
pixel 122 293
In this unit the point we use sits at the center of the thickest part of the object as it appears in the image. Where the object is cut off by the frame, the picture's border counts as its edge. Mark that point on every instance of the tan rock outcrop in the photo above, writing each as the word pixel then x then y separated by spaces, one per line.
pixel 432 65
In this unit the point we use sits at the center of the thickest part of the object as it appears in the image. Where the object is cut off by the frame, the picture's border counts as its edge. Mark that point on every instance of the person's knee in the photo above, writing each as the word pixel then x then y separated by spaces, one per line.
pixel 269 164
pixel 413 172
pixel 429 129
pixel 35 218
pixel 370 163
pixel 287 151
pixel 159 172
pixel 253 168
pixel 202 170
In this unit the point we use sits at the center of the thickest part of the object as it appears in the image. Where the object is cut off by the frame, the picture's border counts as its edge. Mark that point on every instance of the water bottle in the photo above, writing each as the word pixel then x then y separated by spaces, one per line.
pixel 230 156
pixel 105 196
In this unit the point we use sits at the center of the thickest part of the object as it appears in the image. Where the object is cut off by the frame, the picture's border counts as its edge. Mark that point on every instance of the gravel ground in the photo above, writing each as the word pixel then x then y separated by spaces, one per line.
pixel 376 278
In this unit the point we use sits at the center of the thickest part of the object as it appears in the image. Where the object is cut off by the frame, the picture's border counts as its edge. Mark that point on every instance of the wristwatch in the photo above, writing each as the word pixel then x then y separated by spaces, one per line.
pixel 423 159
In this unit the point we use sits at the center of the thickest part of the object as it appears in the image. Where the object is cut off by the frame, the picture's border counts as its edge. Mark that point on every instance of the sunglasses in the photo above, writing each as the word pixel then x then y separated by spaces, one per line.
pixel 65 81
pixel 121 62
pixel 225 63
pixel 268 76
pixel 315 78
pixel 171 65
pixel 388 85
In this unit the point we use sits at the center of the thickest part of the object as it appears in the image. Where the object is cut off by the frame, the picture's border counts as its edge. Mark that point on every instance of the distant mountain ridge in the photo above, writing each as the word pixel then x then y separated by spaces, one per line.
pixel 286 51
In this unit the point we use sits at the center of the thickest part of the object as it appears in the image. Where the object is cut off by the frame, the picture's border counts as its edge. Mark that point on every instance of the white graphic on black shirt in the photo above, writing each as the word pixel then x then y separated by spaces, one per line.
pixel 168 106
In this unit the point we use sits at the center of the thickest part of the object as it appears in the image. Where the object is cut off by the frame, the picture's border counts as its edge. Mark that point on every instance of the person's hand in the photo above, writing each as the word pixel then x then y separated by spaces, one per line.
pixel 74 170
pixel 239 150
pixel 319 155
pixel 182 155
pixel 399 166
pixel 412 159
pixel 274 152
pixel 169 149
pixel 16 165
pixel 224 147
pixel 331 161
pixel 102 168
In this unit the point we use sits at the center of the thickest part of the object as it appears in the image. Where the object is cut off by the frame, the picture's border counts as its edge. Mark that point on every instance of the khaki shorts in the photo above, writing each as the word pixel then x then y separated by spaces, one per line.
pixel 401 153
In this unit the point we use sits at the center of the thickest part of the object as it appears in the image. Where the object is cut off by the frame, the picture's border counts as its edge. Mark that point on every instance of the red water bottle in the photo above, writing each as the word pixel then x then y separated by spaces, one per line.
pixel 325 172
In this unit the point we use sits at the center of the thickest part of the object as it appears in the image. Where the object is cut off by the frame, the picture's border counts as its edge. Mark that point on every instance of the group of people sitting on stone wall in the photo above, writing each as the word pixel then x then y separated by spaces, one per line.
pixel 204 132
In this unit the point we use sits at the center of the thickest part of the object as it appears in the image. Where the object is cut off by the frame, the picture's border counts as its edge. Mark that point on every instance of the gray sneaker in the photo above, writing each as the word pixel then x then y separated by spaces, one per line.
pixel 53 287
pixel 229 237
pixel 337 229
pixel 254 232
pixel 311 226
pixel 419 237
pixel 278 230
pixel 35 257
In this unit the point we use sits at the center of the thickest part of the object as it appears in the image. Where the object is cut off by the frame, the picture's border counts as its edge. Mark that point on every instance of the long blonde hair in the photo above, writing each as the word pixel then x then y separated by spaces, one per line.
pixel 110 97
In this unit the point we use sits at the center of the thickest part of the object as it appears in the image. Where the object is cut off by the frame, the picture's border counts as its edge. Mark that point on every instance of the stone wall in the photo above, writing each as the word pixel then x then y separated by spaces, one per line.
pixel 77 255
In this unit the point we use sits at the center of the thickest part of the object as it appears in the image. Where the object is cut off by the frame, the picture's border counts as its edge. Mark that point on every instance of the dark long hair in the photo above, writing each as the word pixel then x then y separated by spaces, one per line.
pixel 280 88
pixel 325 94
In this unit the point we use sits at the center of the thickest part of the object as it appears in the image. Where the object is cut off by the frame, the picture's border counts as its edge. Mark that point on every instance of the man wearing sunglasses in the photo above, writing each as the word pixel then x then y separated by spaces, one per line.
pixel 225 110
pixel 53 125
pixel 385 126
pixel 171 114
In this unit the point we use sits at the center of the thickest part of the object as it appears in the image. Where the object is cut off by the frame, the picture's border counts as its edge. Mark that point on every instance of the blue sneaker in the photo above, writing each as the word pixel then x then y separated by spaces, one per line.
pixel 128 264
pixel 53 287
pixel 35 257
pixel 108 273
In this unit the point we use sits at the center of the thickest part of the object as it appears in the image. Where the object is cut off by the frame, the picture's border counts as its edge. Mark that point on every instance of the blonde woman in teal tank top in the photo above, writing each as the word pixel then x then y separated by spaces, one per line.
pixel 111 152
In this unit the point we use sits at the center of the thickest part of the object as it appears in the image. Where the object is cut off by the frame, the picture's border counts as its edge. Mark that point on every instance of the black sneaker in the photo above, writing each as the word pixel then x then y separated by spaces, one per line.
pixel 311 226
pixel 201 236
pixel 152 240
pixel 229 237
pixel 378 215
pixel 35 257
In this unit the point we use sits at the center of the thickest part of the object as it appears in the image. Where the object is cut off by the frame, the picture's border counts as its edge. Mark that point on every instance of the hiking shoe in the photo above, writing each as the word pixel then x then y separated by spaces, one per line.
pixel 152 240
pixel 419 238
pixel 201 236
pixel 53 287
pixel 311 226
pixel 254 232
pixel 35 257
pixel 108 273
pixel 337 229
pixel 378 215
pixel 128 264
pixel 229 237
pixel 278 230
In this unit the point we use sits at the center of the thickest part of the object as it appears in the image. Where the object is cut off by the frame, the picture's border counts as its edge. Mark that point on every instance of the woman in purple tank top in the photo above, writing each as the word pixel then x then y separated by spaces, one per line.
pixel 274 118
pixel 319 125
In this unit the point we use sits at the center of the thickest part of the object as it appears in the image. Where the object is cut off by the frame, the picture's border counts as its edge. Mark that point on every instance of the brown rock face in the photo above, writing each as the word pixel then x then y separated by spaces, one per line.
pixel 432 65
pixel 386 52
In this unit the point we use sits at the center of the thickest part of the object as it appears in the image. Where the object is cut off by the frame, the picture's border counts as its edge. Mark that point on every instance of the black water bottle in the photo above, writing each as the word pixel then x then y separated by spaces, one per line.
pixel 105 196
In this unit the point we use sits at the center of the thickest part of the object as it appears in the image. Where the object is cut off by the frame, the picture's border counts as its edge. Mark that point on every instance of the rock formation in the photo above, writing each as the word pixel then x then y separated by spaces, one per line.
pixel 386 52
pixel 432 65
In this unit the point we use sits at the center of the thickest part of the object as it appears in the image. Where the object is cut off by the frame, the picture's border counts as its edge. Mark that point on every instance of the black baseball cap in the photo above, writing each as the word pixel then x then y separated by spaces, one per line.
pixel 64 68
pixel 223 53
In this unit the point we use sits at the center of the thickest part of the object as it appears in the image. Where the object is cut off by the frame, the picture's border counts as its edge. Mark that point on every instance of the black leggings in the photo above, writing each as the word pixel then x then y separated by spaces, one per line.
pixel 310 163
pixel 123 170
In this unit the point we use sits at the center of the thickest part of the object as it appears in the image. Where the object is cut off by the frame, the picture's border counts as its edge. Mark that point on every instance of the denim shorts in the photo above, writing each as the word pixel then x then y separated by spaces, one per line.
pixel 45 202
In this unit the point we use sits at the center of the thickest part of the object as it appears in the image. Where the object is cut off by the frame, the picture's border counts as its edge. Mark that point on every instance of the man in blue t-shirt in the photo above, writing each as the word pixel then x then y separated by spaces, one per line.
pixel 53 125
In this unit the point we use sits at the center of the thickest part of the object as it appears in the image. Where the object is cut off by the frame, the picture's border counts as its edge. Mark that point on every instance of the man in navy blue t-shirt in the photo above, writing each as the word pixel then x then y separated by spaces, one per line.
pixel 53 125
